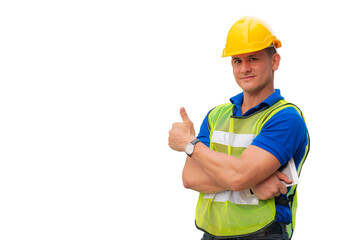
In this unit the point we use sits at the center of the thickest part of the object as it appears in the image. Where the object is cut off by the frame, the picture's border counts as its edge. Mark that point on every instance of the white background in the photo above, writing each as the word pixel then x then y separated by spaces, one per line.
pixel 89 90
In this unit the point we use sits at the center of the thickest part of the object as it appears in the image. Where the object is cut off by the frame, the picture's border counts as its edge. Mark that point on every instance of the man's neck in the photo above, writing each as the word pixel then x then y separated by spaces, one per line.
pixel 251 100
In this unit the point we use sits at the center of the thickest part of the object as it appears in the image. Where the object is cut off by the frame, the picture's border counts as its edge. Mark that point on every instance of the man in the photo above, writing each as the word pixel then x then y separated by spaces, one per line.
pixel 243 144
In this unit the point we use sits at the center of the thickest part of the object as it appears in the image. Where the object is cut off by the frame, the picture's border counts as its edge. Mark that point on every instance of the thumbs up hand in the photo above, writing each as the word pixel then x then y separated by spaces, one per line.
pixel 181 133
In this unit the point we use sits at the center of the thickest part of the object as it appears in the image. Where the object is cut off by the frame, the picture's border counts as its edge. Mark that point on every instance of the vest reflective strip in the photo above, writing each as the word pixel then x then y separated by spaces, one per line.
pixel 238 197
pixel 232 139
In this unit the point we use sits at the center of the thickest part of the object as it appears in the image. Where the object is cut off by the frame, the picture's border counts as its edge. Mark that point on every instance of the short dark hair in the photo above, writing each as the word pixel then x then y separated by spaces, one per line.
pixel 270 51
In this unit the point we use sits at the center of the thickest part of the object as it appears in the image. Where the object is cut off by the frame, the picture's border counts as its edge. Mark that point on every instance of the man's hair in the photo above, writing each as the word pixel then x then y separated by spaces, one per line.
pixel 270 51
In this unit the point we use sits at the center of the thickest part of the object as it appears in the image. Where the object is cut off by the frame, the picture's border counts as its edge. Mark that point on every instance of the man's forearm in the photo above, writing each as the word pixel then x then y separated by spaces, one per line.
pixel 254 166
pixel 196 178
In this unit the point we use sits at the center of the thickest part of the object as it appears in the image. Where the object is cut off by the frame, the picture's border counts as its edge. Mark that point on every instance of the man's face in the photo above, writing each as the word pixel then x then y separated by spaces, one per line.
pixel 254 71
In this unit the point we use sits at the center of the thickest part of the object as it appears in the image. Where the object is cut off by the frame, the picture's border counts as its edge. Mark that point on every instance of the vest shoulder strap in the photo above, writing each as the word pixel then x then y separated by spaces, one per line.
pixel 218 111
pixel 282 104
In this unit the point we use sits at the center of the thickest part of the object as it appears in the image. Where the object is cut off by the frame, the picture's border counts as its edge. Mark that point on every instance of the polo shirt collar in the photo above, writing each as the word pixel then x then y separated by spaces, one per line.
pixel 238 100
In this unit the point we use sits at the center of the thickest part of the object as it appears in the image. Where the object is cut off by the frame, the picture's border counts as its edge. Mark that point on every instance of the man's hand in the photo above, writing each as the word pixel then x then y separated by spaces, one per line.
pixel 271 187
pixel 181 133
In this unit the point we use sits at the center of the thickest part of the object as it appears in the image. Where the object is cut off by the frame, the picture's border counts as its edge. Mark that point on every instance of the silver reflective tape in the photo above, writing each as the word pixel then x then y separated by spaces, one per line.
pixel 232 139
pixel 238 197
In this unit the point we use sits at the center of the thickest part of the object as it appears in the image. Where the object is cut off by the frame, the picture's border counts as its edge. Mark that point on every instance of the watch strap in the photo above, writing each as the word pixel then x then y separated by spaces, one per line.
pixel 195 141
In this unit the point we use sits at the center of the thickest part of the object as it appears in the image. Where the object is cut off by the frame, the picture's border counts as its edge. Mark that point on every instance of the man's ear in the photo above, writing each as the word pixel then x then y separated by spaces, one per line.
pixel 275 61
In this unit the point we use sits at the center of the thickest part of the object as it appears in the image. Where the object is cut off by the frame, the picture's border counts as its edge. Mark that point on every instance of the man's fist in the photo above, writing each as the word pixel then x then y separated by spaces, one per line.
pixel 272 186
pixel 181 133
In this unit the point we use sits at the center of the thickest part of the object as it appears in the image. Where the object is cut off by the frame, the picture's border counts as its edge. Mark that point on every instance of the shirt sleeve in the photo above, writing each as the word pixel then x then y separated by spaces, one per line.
pixel 284 135
pixel 204 133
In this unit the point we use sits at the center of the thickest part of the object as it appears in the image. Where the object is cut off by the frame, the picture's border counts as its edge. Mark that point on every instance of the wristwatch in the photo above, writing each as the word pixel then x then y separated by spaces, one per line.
pixel 189 148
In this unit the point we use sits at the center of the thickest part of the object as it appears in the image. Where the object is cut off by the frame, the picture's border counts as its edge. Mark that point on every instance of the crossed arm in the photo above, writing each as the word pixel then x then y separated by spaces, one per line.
pixel 197 178
pixel 209 171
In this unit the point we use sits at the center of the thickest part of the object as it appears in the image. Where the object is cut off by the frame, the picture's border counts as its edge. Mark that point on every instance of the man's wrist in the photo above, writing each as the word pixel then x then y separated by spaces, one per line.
pixel 187 141
pixel 189 148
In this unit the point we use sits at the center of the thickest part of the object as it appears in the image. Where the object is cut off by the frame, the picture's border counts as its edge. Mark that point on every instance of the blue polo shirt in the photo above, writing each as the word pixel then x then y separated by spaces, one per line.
pixel 284 135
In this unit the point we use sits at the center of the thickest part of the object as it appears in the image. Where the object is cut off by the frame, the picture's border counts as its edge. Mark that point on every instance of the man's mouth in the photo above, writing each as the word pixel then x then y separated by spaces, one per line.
pixel 246 77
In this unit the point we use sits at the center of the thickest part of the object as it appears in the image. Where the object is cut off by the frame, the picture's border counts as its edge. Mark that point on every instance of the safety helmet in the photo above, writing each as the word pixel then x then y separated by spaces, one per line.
pixel 249 34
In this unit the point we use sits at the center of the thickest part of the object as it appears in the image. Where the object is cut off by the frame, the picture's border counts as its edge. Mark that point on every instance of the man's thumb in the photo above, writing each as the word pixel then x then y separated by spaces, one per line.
pixel 184 115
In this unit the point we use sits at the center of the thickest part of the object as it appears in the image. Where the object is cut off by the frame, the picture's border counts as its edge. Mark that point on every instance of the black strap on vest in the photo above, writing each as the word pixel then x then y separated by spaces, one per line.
pixel 285 200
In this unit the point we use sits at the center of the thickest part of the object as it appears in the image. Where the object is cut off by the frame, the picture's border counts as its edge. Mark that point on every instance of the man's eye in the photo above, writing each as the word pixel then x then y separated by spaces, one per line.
pixel 237 61
pixel 253 59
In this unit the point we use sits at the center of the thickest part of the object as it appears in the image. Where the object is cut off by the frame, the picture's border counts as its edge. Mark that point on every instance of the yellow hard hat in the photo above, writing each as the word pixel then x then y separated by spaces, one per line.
pixel 249 34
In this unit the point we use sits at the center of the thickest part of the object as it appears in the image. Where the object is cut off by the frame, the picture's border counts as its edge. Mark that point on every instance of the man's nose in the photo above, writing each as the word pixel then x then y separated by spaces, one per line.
pixel 245 67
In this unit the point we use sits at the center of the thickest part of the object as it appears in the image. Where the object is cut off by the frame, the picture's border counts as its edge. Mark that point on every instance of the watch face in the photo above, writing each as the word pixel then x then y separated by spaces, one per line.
pixel 189 148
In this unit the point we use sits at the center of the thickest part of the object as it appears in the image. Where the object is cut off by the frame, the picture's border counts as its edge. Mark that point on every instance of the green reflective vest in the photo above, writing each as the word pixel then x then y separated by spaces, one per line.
pixel 231 213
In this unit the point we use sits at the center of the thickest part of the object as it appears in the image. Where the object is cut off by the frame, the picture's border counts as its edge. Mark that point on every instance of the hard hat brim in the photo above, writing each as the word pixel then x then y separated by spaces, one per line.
pixel 227 52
